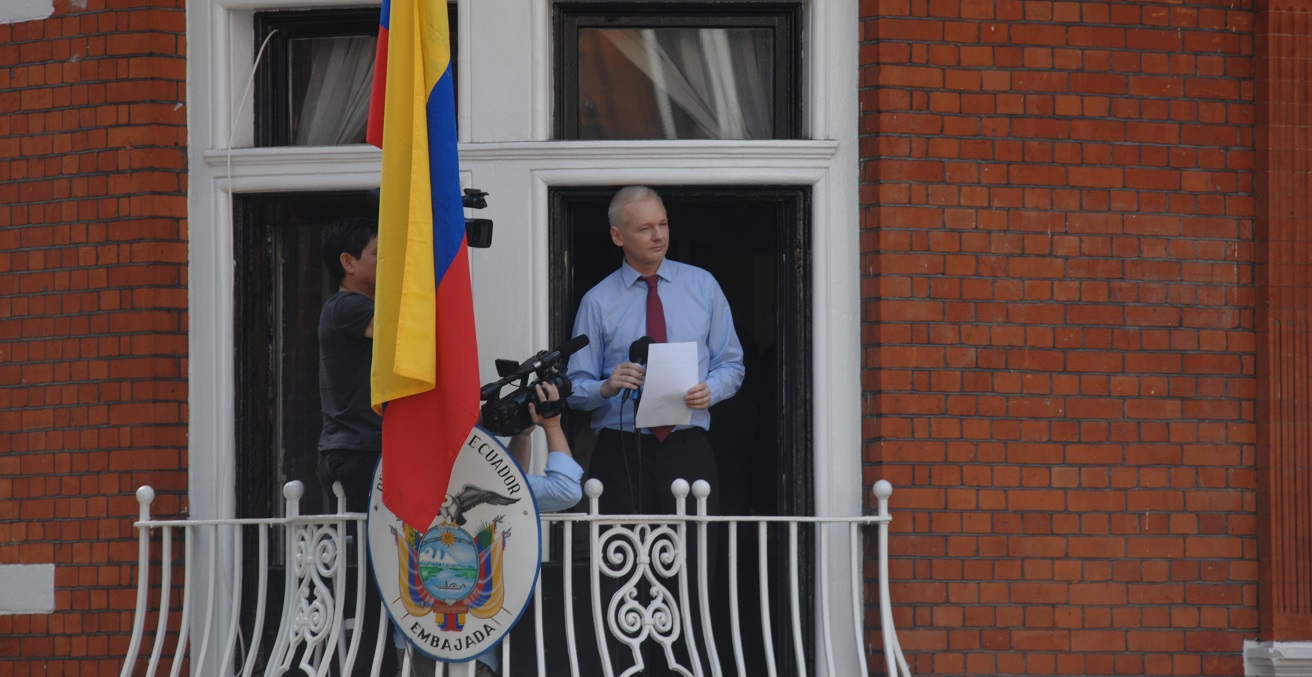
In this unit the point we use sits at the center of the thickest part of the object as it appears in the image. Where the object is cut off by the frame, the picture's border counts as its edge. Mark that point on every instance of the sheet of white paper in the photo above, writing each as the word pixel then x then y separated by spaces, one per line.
pixel 671 371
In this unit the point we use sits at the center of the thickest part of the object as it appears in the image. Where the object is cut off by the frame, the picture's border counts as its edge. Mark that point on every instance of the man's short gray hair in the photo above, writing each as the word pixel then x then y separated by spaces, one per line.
pixel 627 196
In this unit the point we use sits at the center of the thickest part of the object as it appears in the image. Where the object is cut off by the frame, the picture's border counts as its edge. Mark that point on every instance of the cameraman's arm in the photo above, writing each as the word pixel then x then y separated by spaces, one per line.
pixel 556 437
pixel 521 447
pixel 561 487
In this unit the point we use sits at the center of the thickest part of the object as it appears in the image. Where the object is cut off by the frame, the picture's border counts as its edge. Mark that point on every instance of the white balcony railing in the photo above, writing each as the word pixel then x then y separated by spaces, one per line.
pixel 621 594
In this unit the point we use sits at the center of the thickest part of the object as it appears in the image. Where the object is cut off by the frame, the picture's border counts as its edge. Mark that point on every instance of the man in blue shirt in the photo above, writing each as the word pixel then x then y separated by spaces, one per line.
pixel 637 470
pixel 652 296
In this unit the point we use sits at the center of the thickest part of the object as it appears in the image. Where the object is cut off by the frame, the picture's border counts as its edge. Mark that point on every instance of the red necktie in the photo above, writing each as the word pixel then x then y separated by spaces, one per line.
pixel 656 330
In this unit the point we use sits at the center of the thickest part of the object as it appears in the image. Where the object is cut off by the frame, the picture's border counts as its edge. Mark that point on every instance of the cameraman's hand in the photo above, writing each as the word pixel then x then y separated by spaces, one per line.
pixel 546 392
pixel 556 441
pixel 627 376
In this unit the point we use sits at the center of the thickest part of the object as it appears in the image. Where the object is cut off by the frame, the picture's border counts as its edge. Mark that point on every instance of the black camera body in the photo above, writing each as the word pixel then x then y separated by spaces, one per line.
pixel 478 232
pixel 506 416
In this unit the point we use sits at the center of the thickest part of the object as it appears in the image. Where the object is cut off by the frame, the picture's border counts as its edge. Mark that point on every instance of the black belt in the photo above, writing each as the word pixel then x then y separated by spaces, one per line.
pixel 674 434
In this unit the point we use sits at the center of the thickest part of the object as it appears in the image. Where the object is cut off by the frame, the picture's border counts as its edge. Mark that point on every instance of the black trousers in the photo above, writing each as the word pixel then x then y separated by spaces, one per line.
pixel 636 472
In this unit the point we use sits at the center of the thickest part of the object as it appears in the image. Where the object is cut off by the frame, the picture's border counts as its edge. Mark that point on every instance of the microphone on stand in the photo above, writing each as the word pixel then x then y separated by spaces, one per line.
pixel 638 354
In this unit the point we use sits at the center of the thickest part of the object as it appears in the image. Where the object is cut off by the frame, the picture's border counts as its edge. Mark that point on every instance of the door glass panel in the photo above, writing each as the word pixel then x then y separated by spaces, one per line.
pixel 280 288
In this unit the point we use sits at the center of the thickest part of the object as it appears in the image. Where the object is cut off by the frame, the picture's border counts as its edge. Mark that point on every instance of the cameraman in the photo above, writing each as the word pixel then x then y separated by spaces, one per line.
pixel 558 489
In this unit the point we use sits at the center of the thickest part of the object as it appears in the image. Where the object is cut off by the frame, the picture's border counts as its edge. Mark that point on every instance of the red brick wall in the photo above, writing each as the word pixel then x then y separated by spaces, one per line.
pixel 1059 320
pixel 93 316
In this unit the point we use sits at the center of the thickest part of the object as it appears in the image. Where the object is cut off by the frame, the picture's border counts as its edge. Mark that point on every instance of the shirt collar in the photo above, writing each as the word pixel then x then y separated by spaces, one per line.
pixel 630 277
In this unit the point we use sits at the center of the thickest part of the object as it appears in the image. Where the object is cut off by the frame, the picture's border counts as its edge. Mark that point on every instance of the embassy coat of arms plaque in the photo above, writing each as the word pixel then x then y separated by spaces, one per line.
pixel 457 586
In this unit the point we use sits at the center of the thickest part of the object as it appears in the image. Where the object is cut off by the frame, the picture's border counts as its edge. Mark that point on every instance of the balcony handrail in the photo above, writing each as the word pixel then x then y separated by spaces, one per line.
pixel 625 553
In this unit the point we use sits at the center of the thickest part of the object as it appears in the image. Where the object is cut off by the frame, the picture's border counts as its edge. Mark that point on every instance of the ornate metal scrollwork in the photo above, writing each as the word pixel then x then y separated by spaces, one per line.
pixel 644 558
pixel 316 562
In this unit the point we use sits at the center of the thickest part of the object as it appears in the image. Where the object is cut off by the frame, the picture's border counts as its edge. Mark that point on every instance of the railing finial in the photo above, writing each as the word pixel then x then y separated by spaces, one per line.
pixel 145 496
pixel 883 489
pixel 592 489
pixel 293 490
pixel 679 488
pixel 701 489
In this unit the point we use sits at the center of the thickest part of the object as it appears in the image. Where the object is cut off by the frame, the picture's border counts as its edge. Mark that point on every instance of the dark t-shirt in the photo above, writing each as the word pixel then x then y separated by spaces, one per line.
pixel 345 357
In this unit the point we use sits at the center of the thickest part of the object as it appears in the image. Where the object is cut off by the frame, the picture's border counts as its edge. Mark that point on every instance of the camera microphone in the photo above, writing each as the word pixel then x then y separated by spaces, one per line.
pixel 637 354
pixel 540 362
pixel 564 350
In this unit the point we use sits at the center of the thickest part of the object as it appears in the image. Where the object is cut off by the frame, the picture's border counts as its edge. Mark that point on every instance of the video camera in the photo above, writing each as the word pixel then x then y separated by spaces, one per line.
pixel 506 416
pixel 478 232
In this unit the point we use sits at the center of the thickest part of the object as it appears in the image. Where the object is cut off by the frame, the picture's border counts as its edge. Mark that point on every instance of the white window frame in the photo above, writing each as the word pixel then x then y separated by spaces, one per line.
pixel 505 149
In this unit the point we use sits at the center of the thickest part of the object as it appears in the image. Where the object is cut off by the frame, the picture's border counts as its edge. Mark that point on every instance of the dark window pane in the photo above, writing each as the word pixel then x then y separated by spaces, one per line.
pixel 723 71
pixel 676 83
pixel 316 75
pixel 331 79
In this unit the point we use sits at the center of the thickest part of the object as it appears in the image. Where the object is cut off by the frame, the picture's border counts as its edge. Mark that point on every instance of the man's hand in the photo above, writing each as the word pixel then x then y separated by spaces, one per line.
pixel 556 441
pixel 546 393
pixel 698 396
pixel 627 376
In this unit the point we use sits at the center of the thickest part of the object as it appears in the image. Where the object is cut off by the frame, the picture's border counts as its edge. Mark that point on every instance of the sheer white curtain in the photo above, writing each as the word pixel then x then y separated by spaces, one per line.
pixel 336 106
pixel 720 78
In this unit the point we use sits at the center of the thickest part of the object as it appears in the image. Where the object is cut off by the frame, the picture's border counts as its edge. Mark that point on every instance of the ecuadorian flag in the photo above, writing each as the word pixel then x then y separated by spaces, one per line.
pixel 425 365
